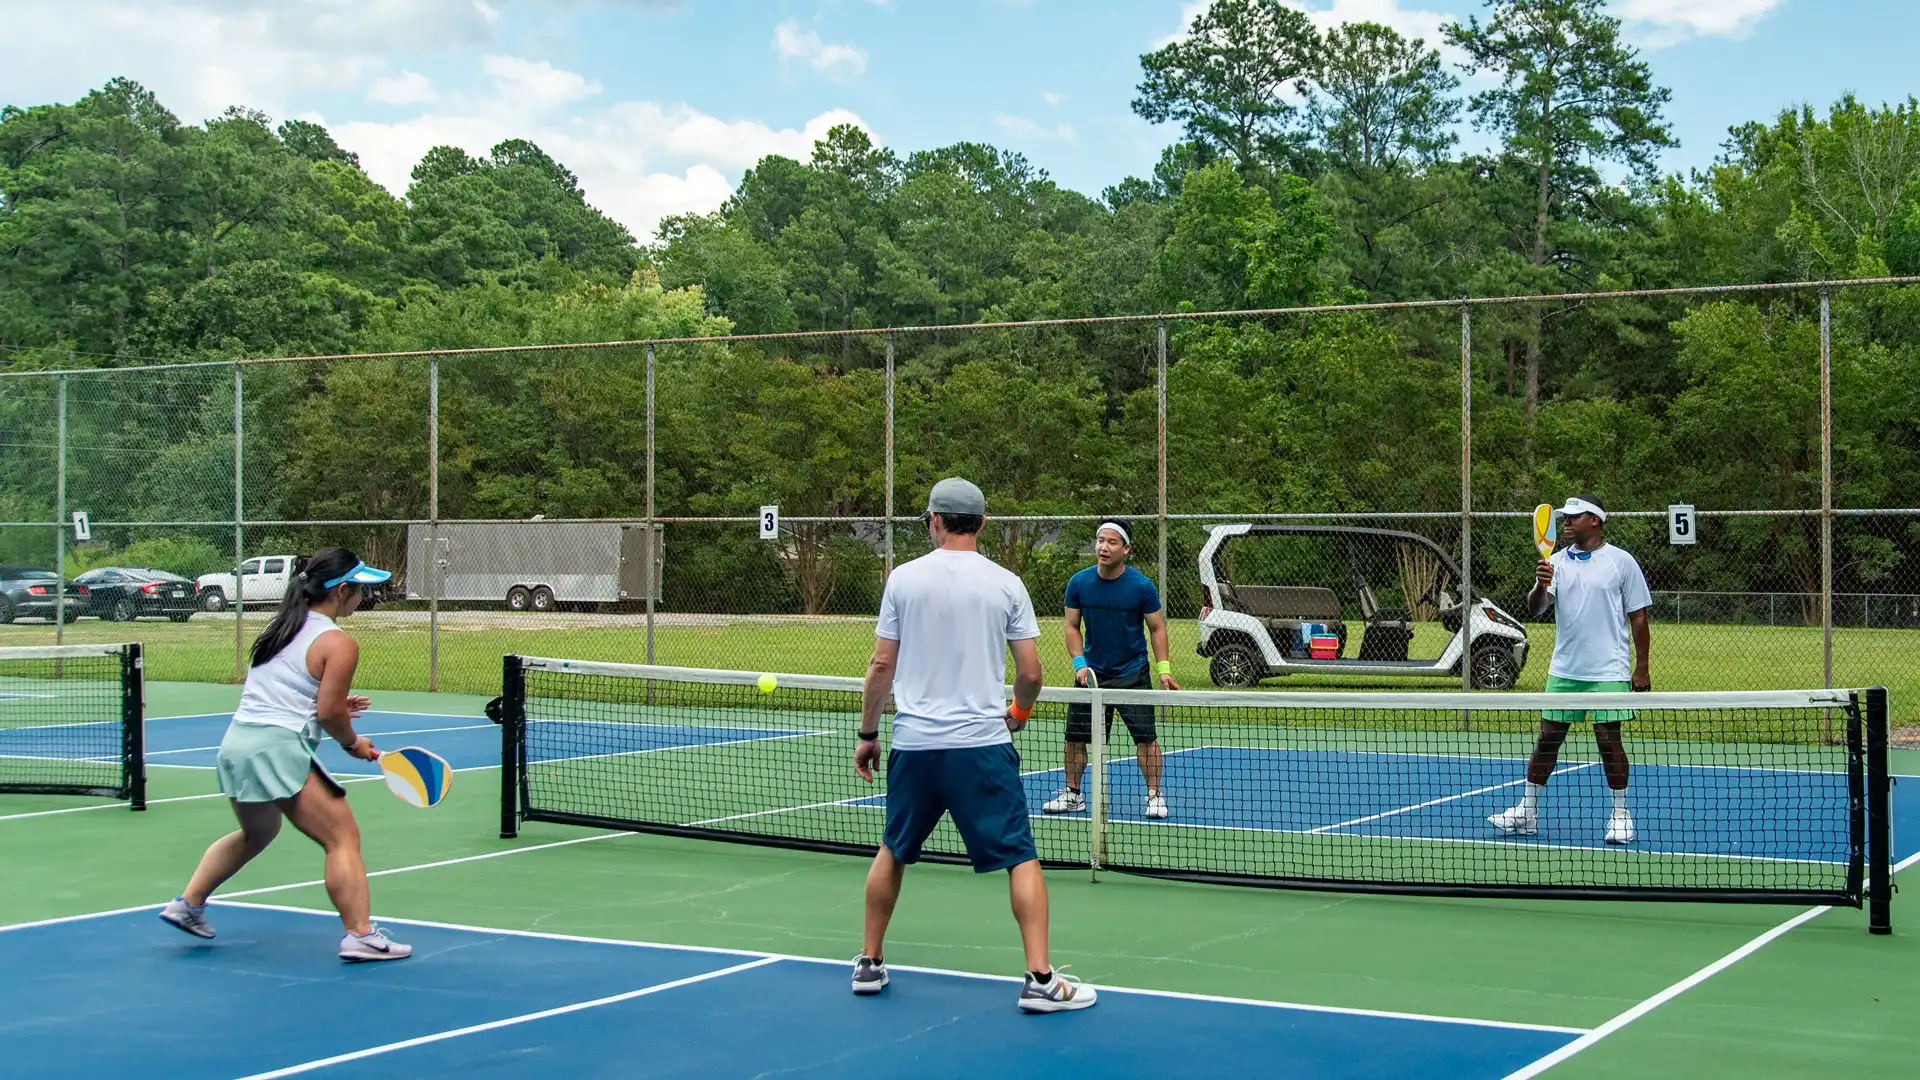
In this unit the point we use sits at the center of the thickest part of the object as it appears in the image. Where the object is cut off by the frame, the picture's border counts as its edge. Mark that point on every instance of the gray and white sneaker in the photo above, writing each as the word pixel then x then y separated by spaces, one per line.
pixel 372 945
pixel 1059 994
pixel 1067 802
pixel 869 975
pixel 185 916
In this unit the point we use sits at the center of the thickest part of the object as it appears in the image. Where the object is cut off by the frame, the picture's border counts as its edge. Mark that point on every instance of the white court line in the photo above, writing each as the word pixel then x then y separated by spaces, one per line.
pixel 1840 771
pixel 494 1025
pixel 1641 1009
pixel 1431 1018
pixel 1446 799
pixel 683 746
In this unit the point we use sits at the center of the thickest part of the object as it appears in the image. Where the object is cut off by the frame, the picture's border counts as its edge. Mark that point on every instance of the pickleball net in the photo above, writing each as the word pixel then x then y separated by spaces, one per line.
pixel 71 721
pixel 1766 797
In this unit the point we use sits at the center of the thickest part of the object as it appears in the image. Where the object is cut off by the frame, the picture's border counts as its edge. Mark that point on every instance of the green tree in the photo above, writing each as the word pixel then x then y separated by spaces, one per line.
pixel 1228 81
pixel 1571 96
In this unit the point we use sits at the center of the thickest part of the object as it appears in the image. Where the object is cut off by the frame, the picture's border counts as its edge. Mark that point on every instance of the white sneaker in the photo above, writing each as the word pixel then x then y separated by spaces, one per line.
pixel 1067 802
pixel 192 919
pixel 372 945
pixel 1515 822
pixel 1620 829
pixel 1061 994
pixel 1156 807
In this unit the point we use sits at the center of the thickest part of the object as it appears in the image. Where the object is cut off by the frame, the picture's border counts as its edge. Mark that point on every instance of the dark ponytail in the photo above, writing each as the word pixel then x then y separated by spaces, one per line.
pixel 305 589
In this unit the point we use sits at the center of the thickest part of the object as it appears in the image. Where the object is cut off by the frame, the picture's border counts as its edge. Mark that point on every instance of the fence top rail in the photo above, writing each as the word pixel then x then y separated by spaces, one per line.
pixel 878 331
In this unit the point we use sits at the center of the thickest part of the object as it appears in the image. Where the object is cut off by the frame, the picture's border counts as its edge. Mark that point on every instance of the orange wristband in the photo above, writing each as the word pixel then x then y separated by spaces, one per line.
pixel 1014 710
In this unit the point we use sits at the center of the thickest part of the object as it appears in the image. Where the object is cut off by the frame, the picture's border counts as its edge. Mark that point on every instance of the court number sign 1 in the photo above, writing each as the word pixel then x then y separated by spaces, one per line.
pixel 82 529
pixel 1683 527
pixel 769 523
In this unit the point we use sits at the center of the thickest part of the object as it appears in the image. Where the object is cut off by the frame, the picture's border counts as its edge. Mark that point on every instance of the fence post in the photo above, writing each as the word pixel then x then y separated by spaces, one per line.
pixel 60 519
pixel 889 458
pixel 1826 489
pixel 432 554
pixel 1466 502
pixel 1160 391
pixel 653 537
pixel 239 526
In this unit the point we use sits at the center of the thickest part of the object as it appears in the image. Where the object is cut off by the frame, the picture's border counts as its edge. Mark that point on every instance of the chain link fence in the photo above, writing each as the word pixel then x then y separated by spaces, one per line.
pixel 605 502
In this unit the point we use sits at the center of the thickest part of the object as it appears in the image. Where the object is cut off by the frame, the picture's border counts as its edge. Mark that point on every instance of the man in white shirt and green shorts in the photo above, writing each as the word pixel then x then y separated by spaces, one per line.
pixel 1599 598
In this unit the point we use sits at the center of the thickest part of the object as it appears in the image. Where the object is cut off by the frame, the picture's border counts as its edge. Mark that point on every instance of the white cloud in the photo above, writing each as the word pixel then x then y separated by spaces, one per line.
pixel 836 61
pixel 1021 127
pixel 538 84
pixel 638 160
pixel 1053 99
pixel 406 88
pixel 1410 23
pixel 1657 24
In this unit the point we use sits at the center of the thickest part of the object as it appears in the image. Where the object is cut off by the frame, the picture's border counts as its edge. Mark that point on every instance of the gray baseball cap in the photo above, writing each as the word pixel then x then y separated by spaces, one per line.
pixel 956 496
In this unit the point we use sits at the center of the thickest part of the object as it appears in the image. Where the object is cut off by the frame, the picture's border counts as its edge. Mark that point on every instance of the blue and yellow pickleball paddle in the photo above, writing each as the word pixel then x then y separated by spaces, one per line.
pixel 418 777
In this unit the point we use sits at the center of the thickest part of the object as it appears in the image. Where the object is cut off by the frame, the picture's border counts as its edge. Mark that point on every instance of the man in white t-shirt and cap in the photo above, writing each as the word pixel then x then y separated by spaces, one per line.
pixel 947 622
pixel 1599 598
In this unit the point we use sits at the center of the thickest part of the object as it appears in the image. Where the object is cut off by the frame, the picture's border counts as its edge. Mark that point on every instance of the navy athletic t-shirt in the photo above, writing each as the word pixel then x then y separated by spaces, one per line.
pixel 1113 619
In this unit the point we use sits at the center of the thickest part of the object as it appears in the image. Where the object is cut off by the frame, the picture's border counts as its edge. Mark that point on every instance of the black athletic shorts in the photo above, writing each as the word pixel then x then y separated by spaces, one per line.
pixel 1138 718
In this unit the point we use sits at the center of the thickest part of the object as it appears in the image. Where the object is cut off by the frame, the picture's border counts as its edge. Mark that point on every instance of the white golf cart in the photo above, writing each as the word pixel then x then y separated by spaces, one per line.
pixel 1399 586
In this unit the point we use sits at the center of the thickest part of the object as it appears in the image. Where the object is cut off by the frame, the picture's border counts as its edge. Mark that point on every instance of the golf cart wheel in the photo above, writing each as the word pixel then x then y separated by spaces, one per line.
pixel 518 598
pixel 543 599
pixel 1236 667
pixel 1494 667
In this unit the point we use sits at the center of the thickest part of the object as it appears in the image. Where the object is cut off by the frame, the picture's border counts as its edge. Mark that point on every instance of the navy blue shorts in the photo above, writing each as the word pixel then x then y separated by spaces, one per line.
pixel 979 785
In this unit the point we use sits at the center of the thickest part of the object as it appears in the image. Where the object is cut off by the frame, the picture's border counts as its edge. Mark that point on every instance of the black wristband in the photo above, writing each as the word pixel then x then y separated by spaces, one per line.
pixel 869 736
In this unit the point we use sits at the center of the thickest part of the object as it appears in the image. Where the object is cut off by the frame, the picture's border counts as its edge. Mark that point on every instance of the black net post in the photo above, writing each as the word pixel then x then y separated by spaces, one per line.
pixel 133 724
pixel 1879 816
pixel 513 716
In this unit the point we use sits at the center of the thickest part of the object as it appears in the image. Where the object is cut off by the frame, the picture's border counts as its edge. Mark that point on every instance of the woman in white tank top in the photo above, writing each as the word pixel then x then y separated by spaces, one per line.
pixel 297 691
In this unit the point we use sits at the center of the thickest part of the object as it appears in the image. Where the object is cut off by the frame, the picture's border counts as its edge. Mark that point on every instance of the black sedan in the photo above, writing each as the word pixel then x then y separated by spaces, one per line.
pixel 123 594
pixel 26 593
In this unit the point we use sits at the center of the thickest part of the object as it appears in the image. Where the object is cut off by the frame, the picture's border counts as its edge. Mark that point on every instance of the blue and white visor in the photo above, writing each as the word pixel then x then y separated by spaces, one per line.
pixel 361 574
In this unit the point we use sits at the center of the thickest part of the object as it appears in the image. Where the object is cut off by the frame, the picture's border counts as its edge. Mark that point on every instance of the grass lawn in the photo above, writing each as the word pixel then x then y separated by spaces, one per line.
pixel 395 652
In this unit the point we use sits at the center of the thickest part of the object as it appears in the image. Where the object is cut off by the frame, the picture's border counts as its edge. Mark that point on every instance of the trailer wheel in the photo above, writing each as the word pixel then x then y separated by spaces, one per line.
pixel 518 598
pixel 543 599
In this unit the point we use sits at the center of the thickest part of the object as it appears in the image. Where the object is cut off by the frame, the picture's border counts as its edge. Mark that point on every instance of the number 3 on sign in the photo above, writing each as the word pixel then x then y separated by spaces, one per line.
pixel 1682 527
pixel 769 523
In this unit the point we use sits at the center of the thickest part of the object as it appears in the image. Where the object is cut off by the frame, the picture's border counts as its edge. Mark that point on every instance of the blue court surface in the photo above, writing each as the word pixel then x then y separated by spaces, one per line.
pixel 129 996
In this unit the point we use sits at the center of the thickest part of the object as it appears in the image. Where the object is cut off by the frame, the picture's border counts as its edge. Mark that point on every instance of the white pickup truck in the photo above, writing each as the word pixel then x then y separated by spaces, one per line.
pixel 263 580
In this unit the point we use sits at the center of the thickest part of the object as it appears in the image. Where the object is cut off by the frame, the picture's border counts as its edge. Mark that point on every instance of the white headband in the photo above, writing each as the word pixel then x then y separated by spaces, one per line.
pixel 1116 527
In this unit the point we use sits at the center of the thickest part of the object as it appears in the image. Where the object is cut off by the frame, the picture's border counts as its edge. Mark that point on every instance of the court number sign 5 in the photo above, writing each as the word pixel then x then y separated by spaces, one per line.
pixel 1683 526
pixel 769 523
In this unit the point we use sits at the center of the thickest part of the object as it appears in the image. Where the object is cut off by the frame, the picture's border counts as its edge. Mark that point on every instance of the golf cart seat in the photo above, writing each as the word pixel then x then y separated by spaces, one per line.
pixel 1389 631
pixel 1291 602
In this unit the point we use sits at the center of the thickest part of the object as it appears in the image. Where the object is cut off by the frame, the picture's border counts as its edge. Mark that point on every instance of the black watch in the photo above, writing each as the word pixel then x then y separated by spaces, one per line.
pixel 868 736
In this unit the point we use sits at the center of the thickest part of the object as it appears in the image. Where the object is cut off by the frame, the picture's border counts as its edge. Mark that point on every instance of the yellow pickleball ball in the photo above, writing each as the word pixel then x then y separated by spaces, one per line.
pixel 768 683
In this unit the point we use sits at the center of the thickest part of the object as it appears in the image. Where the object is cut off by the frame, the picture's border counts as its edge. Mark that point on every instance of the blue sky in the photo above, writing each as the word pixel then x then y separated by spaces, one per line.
pixel 659 105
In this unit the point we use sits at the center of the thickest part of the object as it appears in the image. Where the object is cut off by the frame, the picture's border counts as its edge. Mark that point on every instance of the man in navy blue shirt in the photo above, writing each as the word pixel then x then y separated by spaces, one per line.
pixel 1114 601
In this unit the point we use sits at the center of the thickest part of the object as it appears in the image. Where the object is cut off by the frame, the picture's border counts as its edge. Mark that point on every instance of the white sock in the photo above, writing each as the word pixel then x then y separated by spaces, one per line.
pixel 1530 802
pixel 1620 801
pixel 1153 793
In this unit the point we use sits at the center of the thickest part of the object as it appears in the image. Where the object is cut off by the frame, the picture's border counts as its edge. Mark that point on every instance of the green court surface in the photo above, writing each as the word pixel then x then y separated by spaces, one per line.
pixel 1822 999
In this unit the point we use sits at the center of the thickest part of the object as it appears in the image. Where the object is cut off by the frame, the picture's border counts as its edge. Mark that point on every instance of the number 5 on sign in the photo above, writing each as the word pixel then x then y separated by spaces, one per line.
pixel 769 523
pixel 1682 526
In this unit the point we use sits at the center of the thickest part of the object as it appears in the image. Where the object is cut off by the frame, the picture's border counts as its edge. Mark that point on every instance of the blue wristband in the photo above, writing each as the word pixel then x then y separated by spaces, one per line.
pixel 1079 663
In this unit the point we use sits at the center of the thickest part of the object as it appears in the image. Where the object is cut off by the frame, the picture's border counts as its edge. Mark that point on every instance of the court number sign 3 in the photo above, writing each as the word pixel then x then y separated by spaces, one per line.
pixel 769 523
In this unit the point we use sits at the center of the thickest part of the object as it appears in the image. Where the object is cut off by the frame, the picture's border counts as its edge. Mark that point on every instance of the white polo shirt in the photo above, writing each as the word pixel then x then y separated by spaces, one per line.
pixel 953 613
pixel 1592 598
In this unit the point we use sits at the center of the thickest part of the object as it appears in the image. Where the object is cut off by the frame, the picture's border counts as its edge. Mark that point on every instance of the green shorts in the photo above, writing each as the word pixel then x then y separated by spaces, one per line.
pixel 1558 685
pixel 261 763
